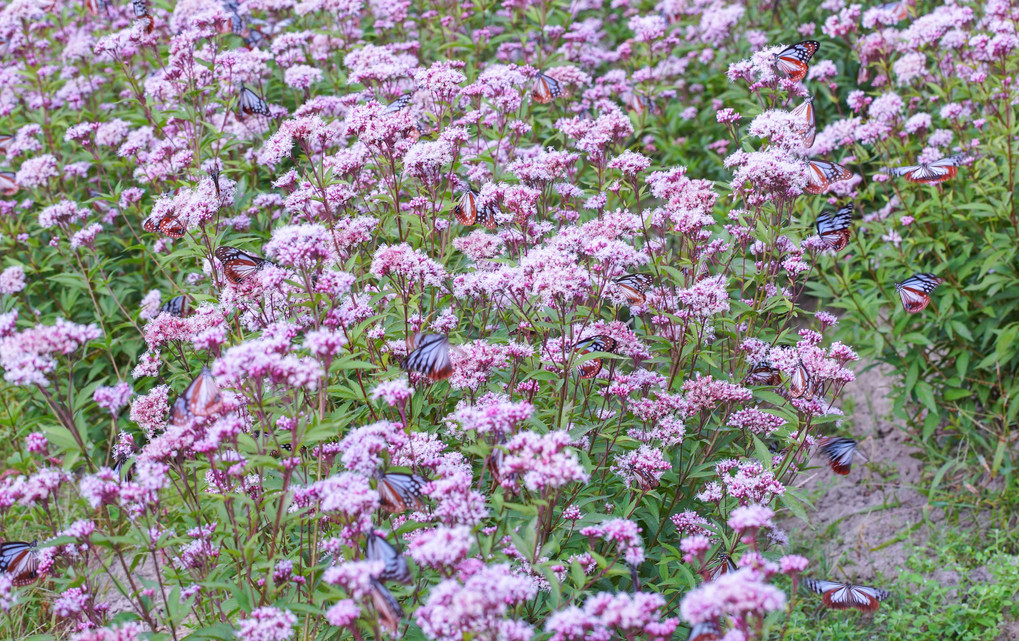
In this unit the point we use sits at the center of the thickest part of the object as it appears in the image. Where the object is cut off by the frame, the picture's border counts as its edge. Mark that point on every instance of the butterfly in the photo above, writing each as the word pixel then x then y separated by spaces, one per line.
pixel 792 61
pixel 178 306
pixel 545 89
pixel 722 565
pixel 899 10
pixel 214 175
pixel 640 103
pixel 799 382
pixel 763 373
pixel 250 102
pixel 842 596
pixel 5 142
pixel 140 8
pixel 430 356
pixel 120 464
pixel 808 126
pixel 168 225
pixel 601 343
pixel 8 185
pixel 400 492
pixel 931 173
pixel 821 174
pixel 95 6
pixel 915 291
pixel 20 561
pixel 840 452
pixel 834 228
pixel 644 479
pixel 399 104
pixel 705 631
pixel 634 287
pixel 201 398
pixel 238 266
pixel 467 213
pixel 386 606
pixel 377 548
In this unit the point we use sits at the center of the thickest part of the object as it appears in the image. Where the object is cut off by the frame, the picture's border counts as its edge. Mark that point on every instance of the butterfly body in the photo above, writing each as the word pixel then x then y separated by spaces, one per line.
pixel 8 183
pixel 178 306
pixel 634 286
pixel 400 492
pixel 386 606
pixel 800 383
pixel 843 596
pixel 931 173
pixel 201 398
pixel 821 174
pixel 840 452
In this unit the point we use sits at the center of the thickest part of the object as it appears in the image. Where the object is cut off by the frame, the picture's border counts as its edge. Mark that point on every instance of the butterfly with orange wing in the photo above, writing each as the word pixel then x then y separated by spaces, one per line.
pixel 592 345
pixel 843 596
pixel 799 383
pixel 792 61
pixel 915 291
pixel 723 564
pixel 386 606
pixel 804 115
pixel 833 229
pixel 168 225
pixel 250 103
pixel 8 183
pixel 467 211
pixel 545 89
pixel 201 398
pixel 840 452
pixel 430 357
pixel 400 492
pixel 634 287
pixel 239 265
pixel 931 173
pixel 821 174
pixel 763 373
pixel 20 561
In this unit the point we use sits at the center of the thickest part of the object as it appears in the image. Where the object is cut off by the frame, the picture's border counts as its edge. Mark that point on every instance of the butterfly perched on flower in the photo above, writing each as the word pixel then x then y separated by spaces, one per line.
pixel 545 89
pixel 8 184
pixel 639 103
pixel 806 125
pixel 843 596
pixel 238 265
pixel 792 61
pixel 915 291
pixel 764 373
pixel 400 492
pixel 799 382
pixel 430 357
pixel 20 561
pixel 840 452
pixel 594 344
pixel 931 173
pixel 386 606
pixel 168 225
pixel 723 564
pixel 705 631
pixel 634 286
pixel 467 212
pixel 822 173
pixel 399 104
pixel 201 398
pixel 250 103
pixel 833 229
pixel 178 306
pixel 377 548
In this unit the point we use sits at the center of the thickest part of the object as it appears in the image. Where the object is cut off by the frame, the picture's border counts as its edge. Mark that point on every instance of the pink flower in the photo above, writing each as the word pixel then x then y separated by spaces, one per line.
pixel 37 171
pixel 267 624
pixel 113 398
pixel 542 460
pixel 441 547
pixel 12 280
pixel 396 393
pixel 477 608
pixel 344 613
pixel 792 564
pixel 751 517
pixel 630 163
pixel 29 355
pixel 302 76
pixel 625 534
pixel 405 264
pixel 694 548
pixel 739 593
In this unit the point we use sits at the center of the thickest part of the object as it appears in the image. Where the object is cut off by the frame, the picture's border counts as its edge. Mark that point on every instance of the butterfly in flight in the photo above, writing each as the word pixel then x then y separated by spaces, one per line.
pixel 792 61
pixel 430 357
pixel 723 564
pixel 178 306
pixel 833 229
pixel 95 6
pixel 804 115
pixel 843 596
pixel 8 184
pixel 467 213
pixel 705 631
pixel 545 89
pixel 822 173
pixel 201 398
pixel 386 606
pixel 763 373
pixel 238 265
pixel 634 287
pixel 168 225
pixel 840 452
pixel 20 561
pixel 931 173
pixel 915 291
pixel 600 343
pixel 899 10
pixel 251 103
pixel 799 382
pixel 400 492
pixel 377 548
pixel 399 104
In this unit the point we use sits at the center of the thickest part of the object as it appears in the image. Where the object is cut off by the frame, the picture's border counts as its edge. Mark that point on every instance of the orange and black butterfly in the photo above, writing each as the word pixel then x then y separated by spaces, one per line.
pixel 634 287
pixel 840 452
pixel 843 596
pixel 394 568
pixel 5 143
pixel 931 173
pixel 545 89
pixel 467 212
pixel 95 6
pixel 400 492
pixel 178 306
pixel 763 373
pixel 792 61
pixel 833 229
pixel 430 357
pixel 238 265
pixel 915 291
pixel 899 10
pixel 594 344
pixel 250 103
pixel 799 382
pixel 644 479
pixel 168 225
pixel 639 103
pixel 201 398
pixel 723 564
pixel 806 124
pixel 20 561
pixel 386 607
pixel 705 631
pixel 822 173
pixel 8 183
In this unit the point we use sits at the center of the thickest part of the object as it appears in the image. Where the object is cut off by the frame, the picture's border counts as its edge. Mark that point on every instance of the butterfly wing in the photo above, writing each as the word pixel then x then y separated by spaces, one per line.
pixel 635 286
pixel 466 210
pixel 822 173
pixel 172 227
pixel 846 596
pixel 833 229
pixel 400 492
pixel 386 607
pixel 840 452
pixel 177 306
pixel 486 216
pixel 251 103
pixel 201 398
pixel 430 357
pixel 238 265
pixel 763 373
pixel 915 291
pixel 545 89
pixel 20 561
pixel 799 382
pixel 793 60
pixel 377 548
pixel 397 105
pixel 601 343
pixel 804 114
pixel 723 564
pixel 140 8
pixel 705 631
pixel 8 184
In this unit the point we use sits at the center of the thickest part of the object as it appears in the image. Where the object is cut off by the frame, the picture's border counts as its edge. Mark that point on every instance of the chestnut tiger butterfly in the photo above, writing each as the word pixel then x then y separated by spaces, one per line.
pixel 178 306
pixel 705 631
pixel 634 286
pixel 843 596
pixel 763 373
pixel 545 89
pixel 386 606
pixel 639 103
pixel 140 8
pixel 214 175
pixel 377 548
pixel 400 492
pixel 792 61
pixel 799 382
pixel 168 225
pixel 8 184
pixel 251 103
pixel 931 173
pixel 201 398
pixel 915 291
pixel 644 479
pixel 899 10
pixel 5 142
pixel 804 114
pixel 467 212
pixel 840 452
pixel 430 357
pixel 238 265
pixel 95 6
pixel 833 229
pixel 822 173
pixel 723 564
pixel 600 343
pixel 20 561
pixel 399 104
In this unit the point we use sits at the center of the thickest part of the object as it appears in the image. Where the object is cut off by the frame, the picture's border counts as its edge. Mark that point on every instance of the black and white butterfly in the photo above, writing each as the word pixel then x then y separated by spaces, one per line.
pixel 430 357
pixel 915 291
pixel 20 561
pixel 178 306
pixel 400 492
pixel 140 8
pixel 399 104
pixel 843 596
pixel 764 373
pixel 377 548
pixel 251 103
pixel 840 452
pixel 634 286
pixel 933 172
pixel 723 564
pixel 833 229
pixel 238 265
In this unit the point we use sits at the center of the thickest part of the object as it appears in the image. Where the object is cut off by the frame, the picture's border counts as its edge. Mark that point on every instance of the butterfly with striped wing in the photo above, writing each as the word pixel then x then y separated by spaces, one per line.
pixel 840 452
pixel 799 383
pixel 179 306
pixel 545 89
pixel 168 225
pixel 467 211
pixel 705 631
pixel 931 173
pixel 201 398
pixel 821 174
pixel 792 61
pixel 807 126
pixel 430 357
pixel 8 183
pixel 250 103
pixel 400 492
pixel 20 561
pixel 399 104
pixel 377 548
pixel 386 606
pixel 592 345
pixel 833 229
pixel 239 265
pixel 764 373
pixel 634 287
pixel 5 143
pixel 915 291
pixel 843 596
pixel 723 564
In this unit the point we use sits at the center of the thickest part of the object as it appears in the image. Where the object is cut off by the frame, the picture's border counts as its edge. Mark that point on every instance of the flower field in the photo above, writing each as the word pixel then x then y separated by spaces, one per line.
pixel 369 319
